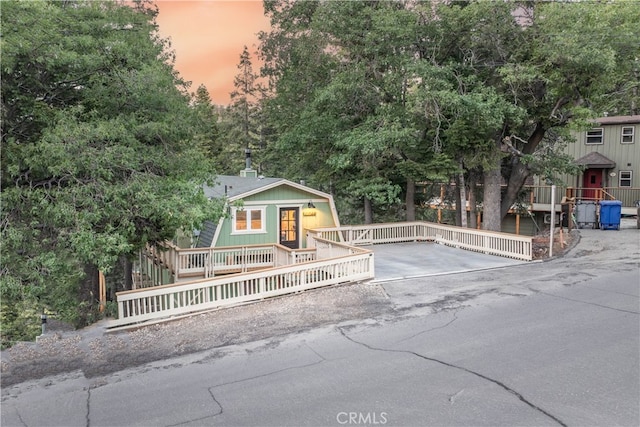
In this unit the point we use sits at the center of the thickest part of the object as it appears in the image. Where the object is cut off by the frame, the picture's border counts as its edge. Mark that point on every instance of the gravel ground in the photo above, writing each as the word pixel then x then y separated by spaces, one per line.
pixel 561 243
pixel 96 352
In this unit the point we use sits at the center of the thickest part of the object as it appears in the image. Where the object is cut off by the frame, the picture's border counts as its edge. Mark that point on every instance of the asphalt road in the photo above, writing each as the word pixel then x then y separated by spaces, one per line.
pixel 554 343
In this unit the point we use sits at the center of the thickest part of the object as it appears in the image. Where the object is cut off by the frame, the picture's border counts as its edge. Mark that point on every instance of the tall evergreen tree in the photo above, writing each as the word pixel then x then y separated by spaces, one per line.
pixel 97 153
pixel 244 99
pixel 365 91
pixel 206 126
pixel 341 96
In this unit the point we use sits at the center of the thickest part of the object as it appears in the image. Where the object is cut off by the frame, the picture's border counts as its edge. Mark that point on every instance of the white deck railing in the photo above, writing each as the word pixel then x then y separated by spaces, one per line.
pixel 332 258
pixel 345 264
pixel 494 243
pixel 196 263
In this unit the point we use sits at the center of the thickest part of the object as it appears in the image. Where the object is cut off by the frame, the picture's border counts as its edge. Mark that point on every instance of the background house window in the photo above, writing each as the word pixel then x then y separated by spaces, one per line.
pixel 625 178
pixel 627 135
pixel 595 136
pixel 249 220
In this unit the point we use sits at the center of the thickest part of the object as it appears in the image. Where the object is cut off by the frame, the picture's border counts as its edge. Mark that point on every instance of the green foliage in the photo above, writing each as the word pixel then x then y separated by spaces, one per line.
pixel 19 322
pixel 207 132
pixel 343 110
pixel 371 92
pixel 241 123
pixel 101 151
pixel 377 190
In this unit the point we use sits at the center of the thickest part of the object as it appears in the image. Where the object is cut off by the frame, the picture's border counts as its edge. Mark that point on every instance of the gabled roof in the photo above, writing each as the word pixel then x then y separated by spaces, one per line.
pixel 618 120
pixel 206 234
pixel 232 187
pixel 238 187
pixel 596 160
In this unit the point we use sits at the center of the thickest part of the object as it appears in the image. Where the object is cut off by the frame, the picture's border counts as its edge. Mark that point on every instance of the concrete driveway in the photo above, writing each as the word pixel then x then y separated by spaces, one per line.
pixel 409 260
pixel 400 261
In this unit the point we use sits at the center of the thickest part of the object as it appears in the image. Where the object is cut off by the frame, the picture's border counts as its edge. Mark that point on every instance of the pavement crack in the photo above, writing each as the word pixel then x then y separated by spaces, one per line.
pixel 88 416
pixel 20 417
pixel 455 317
pixel 322 360
pixel 609 291
pixel 462 368
pixel 621 310
pixel 220 411
pixel 217 402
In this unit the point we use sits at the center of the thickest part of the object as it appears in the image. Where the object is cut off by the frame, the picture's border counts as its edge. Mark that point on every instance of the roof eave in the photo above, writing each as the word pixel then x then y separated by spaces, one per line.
pixel 277 184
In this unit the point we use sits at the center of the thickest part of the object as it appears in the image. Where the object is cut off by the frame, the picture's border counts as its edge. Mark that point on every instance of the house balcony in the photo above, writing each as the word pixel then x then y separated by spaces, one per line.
pixel 540 197
pixel 537 198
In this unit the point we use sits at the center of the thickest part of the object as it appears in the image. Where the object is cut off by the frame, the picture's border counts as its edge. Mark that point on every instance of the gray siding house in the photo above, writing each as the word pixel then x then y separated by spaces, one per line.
pixel 609 152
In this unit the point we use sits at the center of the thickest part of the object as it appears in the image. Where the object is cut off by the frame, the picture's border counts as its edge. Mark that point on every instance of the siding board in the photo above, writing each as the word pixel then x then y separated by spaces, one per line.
pixel 626 156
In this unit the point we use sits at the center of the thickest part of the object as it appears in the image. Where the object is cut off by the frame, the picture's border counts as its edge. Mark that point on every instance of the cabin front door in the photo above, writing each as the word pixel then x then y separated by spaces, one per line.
pixel 289 226
pixel 592 181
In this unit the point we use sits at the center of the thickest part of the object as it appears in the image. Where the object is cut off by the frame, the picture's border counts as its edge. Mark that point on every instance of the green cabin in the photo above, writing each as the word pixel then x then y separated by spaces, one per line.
pixel 265 210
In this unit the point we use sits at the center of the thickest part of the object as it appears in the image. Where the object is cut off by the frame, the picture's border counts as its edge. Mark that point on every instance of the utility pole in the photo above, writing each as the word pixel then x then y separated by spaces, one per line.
pixel 553 219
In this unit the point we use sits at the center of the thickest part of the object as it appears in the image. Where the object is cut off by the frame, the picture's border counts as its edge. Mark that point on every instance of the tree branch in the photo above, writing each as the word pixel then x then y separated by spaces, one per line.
pixel 508 146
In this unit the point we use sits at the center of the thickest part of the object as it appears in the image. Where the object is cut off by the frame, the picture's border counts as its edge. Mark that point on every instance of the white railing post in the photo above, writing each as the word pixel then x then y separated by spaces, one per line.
pixel 243 259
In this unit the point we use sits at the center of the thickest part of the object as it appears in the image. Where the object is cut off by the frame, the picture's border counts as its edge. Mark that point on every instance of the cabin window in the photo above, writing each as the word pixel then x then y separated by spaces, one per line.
pixel 627 135
pixel 625 178
pixel 595 136
pixel 249 220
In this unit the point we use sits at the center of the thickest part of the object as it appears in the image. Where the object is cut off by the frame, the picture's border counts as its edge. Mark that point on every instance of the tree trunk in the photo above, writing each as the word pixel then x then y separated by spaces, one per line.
pixel 517 179
pixel 456 199
pixel 120 278
pixel 88 295
pixel 368 211
pixel 473 217
pixel 127 279
pixel 520 172
pixel 492 218
pixel 410 200
pixel 462 200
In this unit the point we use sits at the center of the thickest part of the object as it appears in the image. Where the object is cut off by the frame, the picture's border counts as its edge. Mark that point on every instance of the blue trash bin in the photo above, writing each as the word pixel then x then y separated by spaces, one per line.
pixel 610 213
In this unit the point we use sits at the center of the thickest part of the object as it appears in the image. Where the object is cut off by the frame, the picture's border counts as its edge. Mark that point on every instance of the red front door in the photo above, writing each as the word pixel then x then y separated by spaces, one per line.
pixel 591 181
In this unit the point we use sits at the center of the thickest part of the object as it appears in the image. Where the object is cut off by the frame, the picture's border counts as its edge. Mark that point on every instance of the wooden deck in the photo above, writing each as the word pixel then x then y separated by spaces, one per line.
pixel 344 264
pixel 335 256
pixel 538 197
pixel 488 242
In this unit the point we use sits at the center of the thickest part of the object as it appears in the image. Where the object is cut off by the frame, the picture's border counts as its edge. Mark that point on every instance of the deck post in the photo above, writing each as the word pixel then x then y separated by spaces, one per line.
pixel 553 219
pixel 243 258
pixel 174 263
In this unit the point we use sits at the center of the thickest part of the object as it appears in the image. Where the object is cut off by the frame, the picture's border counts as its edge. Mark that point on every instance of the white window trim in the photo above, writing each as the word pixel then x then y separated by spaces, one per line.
pixel 248 209
pixel 632 135
pixel 630 178
pixel 586 139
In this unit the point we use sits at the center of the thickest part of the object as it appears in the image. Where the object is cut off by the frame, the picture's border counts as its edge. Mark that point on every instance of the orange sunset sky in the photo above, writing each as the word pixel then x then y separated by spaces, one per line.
pixel 208 37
